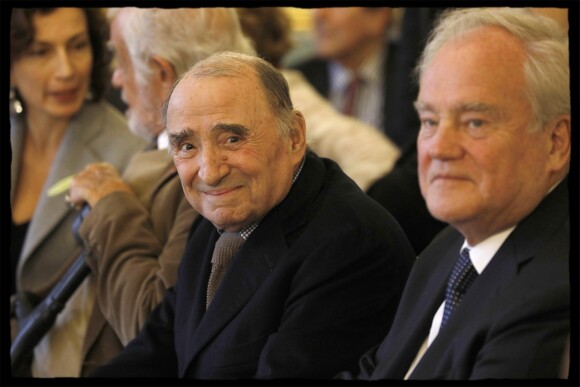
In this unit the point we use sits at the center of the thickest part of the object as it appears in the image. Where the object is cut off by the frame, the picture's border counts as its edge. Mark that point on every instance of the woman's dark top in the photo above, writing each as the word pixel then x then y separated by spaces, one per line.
pixel 17 235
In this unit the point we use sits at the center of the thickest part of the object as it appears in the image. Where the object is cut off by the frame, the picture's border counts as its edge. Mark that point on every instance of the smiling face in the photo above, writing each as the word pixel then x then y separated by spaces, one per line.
pixel 53 75
pixel 233 165
pixel 480 168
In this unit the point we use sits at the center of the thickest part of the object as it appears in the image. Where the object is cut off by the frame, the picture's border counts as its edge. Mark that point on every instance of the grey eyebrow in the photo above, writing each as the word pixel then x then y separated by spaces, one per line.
pixel 421 106
pixel 477 107
pixel 178 136
pixel 468 107
pixel 237 129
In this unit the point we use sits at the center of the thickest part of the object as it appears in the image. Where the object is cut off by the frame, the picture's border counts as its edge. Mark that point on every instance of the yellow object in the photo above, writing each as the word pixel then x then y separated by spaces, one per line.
pixel 60 186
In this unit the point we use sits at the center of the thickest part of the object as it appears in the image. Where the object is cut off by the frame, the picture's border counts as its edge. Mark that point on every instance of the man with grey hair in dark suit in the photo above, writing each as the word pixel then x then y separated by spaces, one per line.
pixel 489 298
pixel 311 268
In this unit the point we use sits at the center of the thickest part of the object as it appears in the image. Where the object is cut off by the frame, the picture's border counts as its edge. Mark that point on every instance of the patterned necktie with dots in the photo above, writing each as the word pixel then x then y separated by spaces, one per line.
pixel 460 280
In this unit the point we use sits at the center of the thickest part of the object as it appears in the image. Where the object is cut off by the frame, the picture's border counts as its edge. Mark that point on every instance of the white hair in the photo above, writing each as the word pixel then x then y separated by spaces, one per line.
pixel 182 36
pixel 546 67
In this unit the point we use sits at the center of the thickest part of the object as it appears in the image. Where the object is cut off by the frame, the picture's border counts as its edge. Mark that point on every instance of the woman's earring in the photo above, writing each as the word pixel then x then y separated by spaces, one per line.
pixel 15 104
pixel 89 97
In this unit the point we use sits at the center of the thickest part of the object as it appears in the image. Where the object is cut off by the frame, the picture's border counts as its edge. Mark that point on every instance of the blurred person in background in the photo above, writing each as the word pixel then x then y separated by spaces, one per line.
pixel 489 298
pixel 361 151
pixel 363 36
pixel 398 191
pixel 59 71
pixel 354 67
pixel 138 225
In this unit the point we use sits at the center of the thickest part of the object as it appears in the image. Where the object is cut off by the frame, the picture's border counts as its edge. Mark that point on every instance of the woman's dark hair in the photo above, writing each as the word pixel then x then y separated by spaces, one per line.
pixel 22 35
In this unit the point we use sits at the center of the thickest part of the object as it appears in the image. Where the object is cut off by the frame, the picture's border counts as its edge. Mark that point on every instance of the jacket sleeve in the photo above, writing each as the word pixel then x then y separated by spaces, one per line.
pixel 135 255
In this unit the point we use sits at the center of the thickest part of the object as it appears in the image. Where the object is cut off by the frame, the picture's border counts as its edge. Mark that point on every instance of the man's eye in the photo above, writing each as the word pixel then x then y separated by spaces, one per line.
pixel 428 126
pixel 477 128
pixel 428 123
pixel 475 123
pixel 184 151
pixel 233 139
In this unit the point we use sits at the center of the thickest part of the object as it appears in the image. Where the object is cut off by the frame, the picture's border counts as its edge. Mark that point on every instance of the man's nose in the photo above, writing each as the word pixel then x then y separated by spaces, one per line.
pixel 212 168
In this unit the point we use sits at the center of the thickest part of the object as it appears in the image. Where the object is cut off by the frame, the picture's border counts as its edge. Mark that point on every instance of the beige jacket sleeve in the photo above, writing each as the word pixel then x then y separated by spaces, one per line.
pixel 135 247
pixel 363 153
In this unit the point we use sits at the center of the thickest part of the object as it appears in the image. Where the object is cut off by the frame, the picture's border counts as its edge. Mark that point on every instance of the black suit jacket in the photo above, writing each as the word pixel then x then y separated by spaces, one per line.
pixel 400 121
pixel 512 323
pixel 314 286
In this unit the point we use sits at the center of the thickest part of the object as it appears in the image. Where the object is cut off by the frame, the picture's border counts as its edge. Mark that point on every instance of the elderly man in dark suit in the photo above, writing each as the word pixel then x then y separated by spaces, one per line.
pixel 490 297
pixel 317 267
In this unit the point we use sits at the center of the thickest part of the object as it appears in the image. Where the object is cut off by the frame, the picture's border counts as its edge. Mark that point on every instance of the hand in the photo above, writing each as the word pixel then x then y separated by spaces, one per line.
pixel 95 182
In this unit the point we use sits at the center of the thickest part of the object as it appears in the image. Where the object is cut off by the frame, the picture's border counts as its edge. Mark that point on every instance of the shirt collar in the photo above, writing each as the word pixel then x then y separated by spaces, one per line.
pixel 339 76
pixel 482 253
pixel 297 172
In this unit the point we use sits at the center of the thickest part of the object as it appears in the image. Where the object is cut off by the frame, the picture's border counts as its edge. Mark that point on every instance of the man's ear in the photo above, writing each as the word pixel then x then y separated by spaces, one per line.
pixel 298 135
pixel 560 144
pixel 164 70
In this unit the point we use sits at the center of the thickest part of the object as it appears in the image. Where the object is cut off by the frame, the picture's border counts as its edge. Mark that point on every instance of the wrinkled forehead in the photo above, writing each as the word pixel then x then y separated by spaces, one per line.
pixel 233 99
pixel 234 88
pixel 482 56
pixel 493 47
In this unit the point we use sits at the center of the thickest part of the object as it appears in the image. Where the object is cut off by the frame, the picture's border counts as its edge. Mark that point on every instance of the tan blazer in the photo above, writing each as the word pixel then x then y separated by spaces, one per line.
pixel 135 245
pixel 98 133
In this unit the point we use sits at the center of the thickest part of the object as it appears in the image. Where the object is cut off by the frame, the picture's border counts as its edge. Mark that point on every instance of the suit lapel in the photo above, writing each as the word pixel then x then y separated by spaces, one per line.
pixel 500 271
pixel 16 143
pixel 74 153
pixel 520 247
pixel 249 268
pixel 419 304
pixel 257 257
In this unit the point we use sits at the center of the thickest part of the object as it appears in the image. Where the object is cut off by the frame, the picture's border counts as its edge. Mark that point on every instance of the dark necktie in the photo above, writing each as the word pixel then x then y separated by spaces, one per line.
pixel 350 95
pixel 461 279
pixel 225 248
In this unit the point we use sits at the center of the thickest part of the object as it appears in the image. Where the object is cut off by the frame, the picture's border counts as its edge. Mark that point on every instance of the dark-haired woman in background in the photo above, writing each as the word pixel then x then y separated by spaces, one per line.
pixel 59 70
